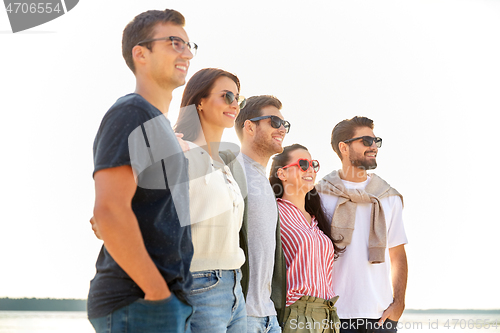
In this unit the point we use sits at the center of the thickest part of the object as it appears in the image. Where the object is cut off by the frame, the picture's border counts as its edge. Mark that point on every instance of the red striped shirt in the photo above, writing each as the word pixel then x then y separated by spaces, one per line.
pixel 309 255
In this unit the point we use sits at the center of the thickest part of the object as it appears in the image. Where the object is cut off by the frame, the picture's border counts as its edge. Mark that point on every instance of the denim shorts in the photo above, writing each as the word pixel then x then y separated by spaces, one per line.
pixel 267 324
pixel 164 316
pixel 218 301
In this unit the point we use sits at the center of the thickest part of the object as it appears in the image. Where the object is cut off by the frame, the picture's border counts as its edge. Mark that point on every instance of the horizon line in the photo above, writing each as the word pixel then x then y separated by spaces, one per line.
pixel 409 310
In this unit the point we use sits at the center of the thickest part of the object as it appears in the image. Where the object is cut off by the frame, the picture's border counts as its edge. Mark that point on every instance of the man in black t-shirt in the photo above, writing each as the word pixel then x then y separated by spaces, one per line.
pixel 141 182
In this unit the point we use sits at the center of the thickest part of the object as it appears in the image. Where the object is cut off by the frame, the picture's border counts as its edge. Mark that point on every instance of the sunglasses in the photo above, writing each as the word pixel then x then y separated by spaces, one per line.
pixel 367 140
pixel 229 98
pixel 177 43
pixel 276 122
pixel 304 164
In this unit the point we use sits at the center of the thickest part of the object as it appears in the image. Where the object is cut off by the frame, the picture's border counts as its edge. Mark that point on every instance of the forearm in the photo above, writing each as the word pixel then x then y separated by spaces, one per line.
pixel 399 272
pixel 122 238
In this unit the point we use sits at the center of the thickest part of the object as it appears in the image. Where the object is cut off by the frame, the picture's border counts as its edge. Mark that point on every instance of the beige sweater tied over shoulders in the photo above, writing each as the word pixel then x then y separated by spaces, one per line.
pixel 345 212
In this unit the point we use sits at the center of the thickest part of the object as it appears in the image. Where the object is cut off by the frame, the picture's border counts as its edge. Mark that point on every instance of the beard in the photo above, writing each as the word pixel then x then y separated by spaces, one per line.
pixel 266 146
pixel 361 162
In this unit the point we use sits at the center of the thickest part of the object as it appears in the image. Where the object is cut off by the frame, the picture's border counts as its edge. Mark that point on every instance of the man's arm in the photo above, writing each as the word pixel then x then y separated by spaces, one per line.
pixel 399 272
pixel 119 229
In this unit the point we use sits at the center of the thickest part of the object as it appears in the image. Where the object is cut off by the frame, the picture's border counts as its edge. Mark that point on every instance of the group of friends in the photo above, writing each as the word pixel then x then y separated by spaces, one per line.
pixel 198 239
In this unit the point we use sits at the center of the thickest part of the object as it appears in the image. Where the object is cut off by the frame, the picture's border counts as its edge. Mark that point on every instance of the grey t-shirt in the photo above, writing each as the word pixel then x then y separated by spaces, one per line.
pixel 262 218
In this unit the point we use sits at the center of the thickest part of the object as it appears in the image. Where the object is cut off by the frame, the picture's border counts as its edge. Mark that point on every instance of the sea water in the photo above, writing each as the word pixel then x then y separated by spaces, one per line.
pixel 44 322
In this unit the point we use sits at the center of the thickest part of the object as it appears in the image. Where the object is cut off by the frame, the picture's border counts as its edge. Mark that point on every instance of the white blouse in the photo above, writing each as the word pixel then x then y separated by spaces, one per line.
pixel 216 208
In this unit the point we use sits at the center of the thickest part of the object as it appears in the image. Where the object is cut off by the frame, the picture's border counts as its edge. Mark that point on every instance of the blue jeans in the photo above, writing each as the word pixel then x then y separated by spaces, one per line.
pixel 219 305
pixel 263 325
pixel 165 316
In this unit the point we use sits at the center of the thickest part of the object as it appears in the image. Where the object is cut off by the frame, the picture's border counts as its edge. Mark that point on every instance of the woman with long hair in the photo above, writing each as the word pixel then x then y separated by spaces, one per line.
pixel 210 104
pixel 309 247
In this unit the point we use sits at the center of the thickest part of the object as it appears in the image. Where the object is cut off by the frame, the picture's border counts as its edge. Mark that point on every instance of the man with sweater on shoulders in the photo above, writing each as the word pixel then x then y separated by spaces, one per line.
pixel 366 212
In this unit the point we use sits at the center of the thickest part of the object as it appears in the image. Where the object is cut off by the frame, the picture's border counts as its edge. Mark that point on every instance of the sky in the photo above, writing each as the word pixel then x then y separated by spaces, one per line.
pixel 426 72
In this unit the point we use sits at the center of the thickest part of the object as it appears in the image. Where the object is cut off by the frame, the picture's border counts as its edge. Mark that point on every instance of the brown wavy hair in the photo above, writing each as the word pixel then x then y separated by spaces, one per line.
pixel 198 87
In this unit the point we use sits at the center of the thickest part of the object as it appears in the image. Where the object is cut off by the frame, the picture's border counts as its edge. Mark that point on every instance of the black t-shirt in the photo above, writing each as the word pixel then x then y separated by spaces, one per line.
pixel 134 132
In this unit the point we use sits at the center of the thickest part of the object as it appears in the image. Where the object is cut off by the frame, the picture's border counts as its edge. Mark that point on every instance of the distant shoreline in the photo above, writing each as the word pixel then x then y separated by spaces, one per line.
pixel 42 304
pixel 55 304
pixel 437 311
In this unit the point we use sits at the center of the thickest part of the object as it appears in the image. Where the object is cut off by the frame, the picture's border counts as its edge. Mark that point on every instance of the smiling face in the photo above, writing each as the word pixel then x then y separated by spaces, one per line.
pixel 268 140
pixel 214 111
pixel 295 180
pixel 165 66
pixel 360 156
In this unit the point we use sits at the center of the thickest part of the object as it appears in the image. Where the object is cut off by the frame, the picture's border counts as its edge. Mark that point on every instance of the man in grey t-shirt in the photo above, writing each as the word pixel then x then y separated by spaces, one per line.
pixel 262 222
pixel 261 130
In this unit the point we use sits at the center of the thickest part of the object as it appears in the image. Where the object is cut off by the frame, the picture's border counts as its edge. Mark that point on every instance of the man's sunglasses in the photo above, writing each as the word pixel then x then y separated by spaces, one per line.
pixel 177 43
pixel 367 140
pixel 304 164
pixel 276 122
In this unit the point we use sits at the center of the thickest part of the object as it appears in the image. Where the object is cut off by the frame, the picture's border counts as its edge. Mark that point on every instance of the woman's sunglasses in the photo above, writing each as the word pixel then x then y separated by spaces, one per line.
pixel 304 164
pixel 367 140
pixel 229 99
pixel 276 122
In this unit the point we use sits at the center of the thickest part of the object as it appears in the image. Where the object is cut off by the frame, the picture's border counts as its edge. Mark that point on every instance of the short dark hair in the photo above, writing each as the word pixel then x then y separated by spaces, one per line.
pixel 253 109
pixel 142 27
pixel 345 130
pixel 198 87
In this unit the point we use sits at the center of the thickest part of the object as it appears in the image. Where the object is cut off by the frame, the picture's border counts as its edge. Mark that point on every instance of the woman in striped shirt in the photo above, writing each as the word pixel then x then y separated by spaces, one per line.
pixel 308 245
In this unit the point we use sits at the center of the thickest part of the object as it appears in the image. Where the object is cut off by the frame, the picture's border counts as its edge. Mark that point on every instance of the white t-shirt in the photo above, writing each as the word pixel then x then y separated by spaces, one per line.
pixel 365 289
